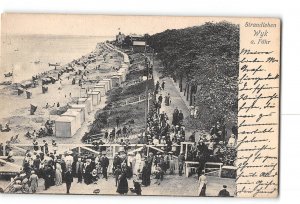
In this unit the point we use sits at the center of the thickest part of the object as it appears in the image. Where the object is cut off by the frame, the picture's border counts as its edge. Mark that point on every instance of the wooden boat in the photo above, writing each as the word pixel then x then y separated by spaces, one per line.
pixel 9 74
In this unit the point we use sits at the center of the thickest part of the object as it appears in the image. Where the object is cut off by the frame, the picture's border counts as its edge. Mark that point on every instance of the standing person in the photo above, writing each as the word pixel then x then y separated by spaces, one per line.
pixel 69 159
pixel 181 160
pixel 118 172
pixel 69 179
pixel 33 180
pixel 54 145
pixel 202 185
pixel 146 175
pixel 58 174
pixel 35 145
pixel 160 98
pixel 123 184
pixel 104 165
pixel 88 172
pixel 36 164
pixel 138 163
pixel 167 100
pixel 163 85
pixel 79 170
pixel 180 117
pixel 45 148
pixel 172 163
pixel 224 192
pixel 175 117
pixel 157 87
pixel 47 176
pixel 118 121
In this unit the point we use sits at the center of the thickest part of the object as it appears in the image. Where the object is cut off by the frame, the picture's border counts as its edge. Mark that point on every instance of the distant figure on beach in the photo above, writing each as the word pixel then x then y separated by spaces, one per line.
pixel 70 94
pixel 57 105
pixel 47 105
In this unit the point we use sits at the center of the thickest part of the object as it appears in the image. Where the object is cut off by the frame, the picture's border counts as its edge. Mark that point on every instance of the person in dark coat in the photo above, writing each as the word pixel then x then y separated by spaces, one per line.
pixel 88 173
pixel 160 98
pixel 69 179
pixel 146 175
pixel 180 116
pixel 104 165
pixel 224 192
pixel 47 176
pixel 79 170
pixel 123 184
pixel 163 85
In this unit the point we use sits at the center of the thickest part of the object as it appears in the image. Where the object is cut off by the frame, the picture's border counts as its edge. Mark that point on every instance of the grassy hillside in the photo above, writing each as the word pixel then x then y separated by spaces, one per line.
pixel 206 56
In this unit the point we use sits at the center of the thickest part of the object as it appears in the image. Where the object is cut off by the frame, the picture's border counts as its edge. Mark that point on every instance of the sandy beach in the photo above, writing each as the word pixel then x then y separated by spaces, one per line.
pixel 63 92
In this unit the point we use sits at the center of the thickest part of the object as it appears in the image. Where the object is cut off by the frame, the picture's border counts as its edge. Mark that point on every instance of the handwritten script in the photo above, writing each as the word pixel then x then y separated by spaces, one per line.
pixel 258 113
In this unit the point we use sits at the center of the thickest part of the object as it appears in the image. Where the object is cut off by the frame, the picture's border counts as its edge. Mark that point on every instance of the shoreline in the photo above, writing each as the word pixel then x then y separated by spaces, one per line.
pixel 62 91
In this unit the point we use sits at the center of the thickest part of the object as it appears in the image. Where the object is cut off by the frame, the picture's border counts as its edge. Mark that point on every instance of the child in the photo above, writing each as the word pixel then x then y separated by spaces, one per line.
pixel 118 172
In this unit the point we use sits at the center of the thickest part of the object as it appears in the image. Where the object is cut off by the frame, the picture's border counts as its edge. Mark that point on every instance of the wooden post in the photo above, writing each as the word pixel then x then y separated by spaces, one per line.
pixel 181 147
pixel 147 151
pixel 186 150
pixel 4 150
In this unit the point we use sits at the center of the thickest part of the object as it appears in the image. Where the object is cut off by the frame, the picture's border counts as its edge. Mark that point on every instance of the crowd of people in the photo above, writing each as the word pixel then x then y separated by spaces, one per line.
pixel 144 165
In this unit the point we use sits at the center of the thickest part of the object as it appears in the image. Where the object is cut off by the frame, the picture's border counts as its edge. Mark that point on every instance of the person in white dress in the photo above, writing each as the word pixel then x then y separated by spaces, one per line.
pixel 202 185
pixel 138 163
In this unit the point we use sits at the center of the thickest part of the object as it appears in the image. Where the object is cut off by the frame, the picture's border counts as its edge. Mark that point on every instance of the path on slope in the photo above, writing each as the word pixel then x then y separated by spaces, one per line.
pixel 176 99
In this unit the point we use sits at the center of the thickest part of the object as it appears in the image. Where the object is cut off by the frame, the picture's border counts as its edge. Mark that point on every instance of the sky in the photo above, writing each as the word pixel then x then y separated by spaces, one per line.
pixel 93 25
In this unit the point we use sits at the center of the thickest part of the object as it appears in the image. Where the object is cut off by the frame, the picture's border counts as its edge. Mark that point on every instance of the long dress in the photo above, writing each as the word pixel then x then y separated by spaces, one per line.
pixel 58 175
pixel 202 185
pixel 123 184
pixel 138 164
pixel 146 175
pixel 87 175
pixel 172 165
pixel 33 179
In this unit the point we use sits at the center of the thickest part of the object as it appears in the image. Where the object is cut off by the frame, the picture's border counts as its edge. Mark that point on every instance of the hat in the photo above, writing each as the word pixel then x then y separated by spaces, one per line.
pixel 170 152
pixel 69 152
pixel 94 172
pixel 224 186
pixel 33 172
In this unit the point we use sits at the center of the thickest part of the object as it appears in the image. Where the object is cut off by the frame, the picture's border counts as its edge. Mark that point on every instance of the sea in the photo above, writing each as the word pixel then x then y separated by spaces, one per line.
pixel 28 55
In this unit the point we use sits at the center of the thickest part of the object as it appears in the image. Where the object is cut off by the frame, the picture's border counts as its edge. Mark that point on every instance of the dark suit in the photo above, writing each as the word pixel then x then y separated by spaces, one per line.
pixel 69 180
pixel 104 165
pixel 79 170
